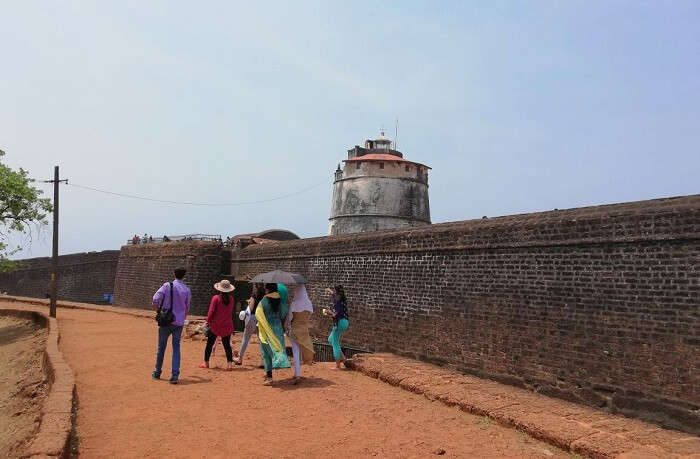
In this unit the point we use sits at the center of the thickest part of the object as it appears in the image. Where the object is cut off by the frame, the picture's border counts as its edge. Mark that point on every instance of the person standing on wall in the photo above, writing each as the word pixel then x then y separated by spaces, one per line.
pixel 297 327
pixel 339 312
pixel 220 321
pixel 251 323
pixel 172 296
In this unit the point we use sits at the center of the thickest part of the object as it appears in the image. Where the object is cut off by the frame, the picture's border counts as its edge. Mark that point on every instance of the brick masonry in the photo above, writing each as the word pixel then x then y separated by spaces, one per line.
pixel 598 305
pixel 144 268
pixel 83 277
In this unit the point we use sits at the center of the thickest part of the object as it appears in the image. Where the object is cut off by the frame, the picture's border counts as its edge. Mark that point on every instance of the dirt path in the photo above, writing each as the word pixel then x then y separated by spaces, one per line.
pixel 124 413
pixel 22 385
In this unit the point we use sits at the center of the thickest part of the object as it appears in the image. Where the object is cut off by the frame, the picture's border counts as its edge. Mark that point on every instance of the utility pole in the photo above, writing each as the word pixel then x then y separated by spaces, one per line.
pixel 54 258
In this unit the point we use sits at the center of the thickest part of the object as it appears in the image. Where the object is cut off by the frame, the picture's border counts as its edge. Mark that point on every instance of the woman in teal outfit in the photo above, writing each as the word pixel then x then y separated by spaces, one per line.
pixel 340 322
pixel 271 314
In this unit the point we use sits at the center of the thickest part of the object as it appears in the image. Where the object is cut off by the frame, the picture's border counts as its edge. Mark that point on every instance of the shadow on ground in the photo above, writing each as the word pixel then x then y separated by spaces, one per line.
pixel 193 380
pixel 235 369
pixel 11 333
pixel 305 383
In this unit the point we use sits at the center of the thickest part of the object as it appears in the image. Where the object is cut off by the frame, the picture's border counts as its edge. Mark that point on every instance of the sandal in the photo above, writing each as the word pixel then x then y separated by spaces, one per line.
pixel 268 381
pixel 204 365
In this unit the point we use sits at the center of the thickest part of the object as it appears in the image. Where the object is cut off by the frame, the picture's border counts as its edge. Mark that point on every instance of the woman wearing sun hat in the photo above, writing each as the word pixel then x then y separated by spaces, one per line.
pixel 220 321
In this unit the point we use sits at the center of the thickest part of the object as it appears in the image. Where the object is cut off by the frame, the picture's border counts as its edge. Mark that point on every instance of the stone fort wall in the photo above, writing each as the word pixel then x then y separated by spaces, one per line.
pixel 83 277
pixel 599 305
pixel 143 268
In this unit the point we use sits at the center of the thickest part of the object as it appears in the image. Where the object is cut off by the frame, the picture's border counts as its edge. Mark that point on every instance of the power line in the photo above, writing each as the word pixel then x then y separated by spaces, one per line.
pixel 208 204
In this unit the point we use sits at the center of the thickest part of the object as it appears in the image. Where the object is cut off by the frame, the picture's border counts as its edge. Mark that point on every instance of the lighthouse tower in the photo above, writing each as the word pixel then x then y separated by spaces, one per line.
pixel 377 189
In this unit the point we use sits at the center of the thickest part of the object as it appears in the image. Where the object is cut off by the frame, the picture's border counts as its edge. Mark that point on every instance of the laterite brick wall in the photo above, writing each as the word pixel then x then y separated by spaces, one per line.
pixel 599 305
pixel 144 268
pixel 83 277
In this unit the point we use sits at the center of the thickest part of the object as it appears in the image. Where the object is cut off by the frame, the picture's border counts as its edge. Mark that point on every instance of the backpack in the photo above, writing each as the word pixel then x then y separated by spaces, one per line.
pixel 166 318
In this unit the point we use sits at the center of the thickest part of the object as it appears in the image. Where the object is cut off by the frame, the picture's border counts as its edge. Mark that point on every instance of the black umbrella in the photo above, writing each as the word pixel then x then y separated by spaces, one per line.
pixel 278 276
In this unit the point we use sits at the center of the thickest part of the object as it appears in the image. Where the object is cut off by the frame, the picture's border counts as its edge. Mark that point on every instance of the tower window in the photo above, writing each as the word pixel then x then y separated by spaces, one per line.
pixel 408 168
pixel 381 165
pixel 358 165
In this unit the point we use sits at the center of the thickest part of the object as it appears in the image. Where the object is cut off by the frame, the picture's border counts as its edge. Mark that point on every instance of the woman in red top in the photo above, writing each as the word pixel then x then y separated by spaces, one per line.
pixel 220 321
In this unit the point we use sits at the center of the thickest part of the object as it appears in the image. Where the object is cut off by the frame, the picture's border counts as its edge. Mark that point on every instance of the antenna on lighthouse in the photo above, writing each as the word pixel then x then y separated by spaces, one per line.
pixel 396 133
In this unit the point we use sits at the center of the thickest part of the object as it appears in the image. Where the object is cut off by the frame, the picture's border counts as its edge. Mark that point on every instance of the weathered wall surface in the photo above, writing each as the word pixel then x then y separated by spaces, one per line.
pixel 371 203
pixel 366 223
pixel 599 305
pixel 144 268
pixel 83 277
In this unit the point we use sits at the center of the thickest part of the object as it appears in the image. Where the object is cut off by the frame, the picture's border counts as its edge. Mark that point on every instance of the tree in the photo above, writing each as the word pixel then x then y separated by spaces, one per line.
pixel 21 206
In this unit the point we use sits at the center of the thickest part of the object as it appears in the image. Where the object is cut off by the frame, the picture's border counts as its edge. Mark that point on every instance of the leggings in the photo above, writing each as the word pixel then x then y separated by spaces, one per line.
pixel 250 329
pixel 225 340
pixel 335 335
pixel 296 352
pixel 244 343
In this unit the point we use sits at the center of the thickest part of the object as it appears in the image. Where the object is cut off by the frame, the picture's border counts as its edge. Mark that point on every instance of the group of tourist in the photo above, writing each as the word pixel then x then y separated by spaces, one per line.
pixel 146 239
pixel 269 313
pixel 136 239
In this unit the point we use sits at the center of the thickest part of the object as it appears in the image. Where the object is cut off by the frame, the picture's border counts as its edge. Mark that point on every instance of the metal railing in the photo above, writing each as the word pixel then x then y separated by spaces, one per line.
pixel 324 352
pixel 166 238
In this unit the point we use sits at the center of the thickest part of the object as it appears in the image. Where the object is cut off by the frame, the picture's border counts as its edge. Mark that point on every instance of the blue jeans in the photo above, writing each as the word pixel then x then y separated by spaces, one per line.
pixel 163 334
pixel 334 338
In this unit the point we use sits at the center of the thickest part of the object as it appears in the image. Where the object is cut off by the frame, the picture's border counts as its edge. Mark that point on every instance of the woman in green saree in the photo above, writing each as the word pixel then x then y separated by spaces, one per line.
pixel 271 314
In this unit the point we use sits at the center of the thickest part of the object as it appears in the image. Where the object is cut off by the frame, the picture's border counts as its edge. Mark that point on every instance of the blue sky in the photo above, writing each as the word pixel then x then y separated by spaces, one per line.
pixel 517 106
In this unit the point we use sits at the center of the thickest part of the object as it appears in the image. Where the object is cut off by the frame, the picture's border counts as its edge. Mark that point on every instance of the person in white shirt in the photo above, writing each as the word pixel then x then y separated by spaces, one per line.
pixel 297 327
pixel 251 323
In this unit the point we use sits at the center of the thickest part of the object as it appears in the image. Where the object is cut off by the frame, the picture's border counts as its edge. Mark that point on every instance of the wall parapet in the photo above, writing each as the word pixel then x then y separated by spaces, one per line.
pixel 71 259
pixel 654 220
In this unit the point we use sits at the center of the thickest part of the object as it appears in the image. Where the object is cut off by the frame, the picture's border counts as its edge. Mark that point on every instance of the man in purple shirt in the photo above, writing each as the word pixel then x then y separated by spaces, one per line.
pixel 181 296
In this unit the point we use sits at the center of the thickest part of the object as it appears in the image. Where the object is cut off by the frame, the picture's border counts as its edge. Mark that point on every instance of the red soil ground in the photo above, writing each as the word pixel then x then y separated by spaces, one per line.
pixel 124 413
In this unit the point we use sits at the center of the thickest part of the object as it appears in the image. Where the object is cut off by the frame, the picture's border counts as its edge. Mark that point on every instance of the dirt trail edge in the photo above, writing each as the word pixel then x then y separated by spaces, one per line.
pixel 23 385
pixel 573 427
pixel 53 435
